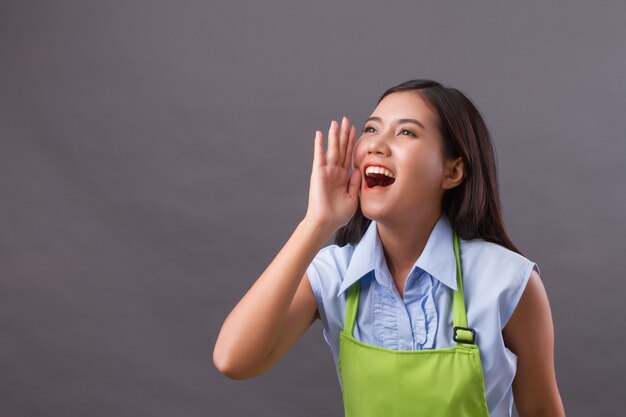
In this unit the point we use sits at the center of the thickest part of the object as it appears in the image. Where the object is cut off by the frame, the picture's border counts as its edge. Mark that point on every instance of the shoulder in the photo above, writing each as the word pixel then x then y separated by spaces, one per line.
pixel 327 270
pixel 493 254
pixel 333 257
pixel 493 257
pixel 497 273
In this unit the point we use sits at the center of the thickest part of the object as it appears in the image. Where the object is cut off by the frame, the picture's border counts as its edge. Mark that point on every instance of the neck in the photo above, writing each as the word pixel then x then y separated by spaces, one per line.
pixel 403 243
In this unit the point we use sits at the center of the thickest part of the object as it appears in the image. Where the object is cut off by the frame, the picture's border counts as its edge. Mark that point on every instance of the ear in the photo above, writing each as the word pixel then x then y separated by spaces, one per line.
pixel 454 173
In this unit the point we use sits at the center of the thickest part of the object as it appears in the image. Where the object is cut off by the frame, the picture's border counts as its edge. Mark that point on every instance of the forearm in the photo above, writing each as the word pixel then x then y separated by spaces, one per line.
pixel 555 411
pixel 549 405
pixel 253 326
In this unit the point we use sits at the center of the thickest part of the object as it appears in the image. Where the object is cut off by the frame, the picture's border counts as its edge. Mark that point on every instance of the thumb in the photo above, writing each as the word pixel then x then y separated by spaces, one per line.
pixel 354 184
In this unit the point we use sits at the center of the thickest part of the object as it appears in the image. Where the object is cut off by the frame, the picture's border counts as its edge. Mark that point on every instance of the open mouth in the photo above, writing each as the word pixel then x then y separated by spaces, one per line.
pixel 376 180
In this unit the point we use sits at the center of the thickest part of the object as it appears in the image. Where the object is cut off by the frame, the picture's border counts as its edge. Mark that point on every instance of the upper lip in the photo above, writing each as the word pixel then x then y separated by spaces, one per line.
pixel 376 164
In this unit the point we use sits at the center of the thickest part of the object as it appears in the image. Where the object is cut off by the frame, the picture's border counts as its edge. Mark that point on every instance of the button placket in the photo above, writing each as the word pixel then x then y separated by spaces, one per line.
pixel 403 329
pixel 424 317
pixel 411 339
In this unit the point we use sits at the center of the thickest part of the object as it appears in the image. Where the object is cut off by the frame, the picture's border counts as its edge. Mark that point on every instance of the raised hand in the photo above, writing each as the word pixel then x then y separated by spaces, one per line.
pixel 334 193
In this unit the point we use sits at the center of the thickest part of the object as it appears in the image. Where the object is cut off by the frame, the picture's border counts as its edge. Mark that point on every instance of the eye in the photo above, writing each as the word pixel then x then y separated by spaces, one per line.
pixel 366 130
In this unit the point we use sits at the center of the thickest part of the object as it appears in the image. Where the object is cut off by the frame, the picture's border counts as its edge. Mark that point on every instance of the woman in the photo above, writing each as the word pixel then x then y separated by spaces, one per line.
pixel 427 305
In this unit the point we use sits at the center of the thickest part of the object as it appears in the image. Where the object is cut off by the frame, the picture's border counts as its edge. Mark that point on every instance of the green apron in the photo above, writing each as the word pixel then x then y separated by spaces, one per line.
pixel 381 382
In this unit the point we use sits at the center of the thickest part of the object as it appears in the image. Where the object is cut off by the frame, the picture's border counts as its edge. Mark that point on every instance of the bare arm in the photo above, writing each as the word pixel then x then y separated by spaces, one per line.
pixel 280 305
pixel 251 329
pixel 529 334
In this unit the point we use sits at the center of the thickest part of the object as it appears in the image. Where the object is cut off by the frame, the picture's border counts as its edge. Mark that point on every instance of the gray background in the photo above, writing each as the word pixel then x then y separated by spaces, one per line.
pixel 155 157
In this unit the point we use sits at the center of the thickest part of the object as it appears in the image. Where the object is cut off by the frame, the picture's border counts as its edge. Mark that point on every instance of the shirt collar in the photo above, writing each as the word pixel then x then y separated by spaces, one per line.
pixel 437 258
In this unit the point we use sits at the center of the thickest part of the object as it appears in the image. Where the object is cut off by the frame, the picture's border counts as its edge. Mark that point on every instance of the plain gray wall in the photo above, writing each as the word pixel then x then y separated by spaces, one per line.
pixel 155 157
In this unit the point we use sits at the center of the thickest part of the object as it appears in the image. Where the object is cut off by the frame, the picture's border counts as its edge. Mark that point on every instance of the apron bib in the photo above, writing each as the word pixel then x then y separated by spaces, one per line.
pixel 382 382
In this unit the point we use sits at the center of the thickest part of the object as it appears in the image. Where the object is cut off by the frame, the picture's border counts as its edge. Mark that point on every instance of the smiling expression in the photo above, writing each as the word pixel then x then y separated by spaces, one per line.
pixel 402 136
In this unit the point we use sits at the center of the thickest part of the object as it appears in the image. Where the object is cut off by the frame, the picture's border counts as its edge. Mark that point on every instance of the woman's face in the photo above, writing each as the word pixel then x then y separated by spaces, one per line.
pixel 412 152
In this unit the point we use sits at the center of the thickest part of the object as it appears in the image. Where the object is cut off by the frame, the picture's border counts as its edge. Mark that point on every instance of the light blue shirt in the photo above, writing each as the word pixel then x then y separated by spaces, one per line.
pixel 494 278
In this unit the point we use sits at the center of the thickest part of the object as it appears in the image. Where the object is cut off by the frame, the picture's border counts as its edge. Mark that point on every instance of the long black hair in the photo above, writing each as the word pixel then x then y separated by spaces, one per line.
pixel 473 207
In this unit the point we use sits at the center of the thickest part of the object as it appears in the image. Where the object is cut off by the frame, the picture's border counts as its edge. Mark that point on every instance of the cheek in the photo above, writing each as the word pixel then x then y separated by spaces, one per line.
pixel 426 169
pixel 432 163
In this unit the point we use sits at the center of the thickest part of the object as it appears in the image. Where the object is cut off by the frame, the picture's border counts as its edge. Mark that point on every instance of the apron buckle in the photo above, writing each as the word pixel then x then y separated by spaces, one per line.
pixel 465 334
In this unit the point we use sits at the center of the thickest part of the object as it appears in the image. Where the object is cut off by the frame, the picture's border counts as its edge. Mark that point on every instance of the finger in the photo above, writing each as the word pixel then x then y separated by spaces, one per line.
pixel 354 185
pixel 333 149
pixel 350 148
pixel 343 138
pixel 318 154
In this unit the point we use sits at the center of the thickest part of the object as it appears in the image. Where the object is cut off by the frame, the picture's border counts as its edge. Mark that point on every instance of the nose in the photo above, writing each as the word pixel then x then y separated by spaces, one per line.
pixel 378 144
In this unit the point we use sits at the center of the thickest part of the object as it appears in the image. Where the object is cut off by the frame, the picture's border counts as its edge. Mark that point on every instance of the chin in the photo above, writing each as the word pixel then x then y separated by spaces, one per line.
pixel 377 215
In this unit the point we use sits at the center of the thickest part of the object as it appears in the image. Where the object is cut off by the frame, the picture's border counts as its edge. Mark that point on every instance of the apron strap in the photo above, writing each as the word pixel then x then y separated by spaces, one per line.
pixel 351 307
pixel 462 333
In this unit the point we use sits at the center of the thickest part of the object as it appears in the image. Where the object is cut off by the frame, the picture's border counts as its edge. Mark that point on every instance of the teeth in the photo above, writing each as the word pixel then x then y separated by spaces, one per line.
pixel 378 170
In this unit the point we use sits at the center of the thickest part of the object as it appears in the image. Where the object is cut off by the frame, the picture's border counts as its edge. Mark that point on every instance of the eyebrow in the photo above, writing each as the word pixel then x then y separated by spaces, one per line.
pixel 417 122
